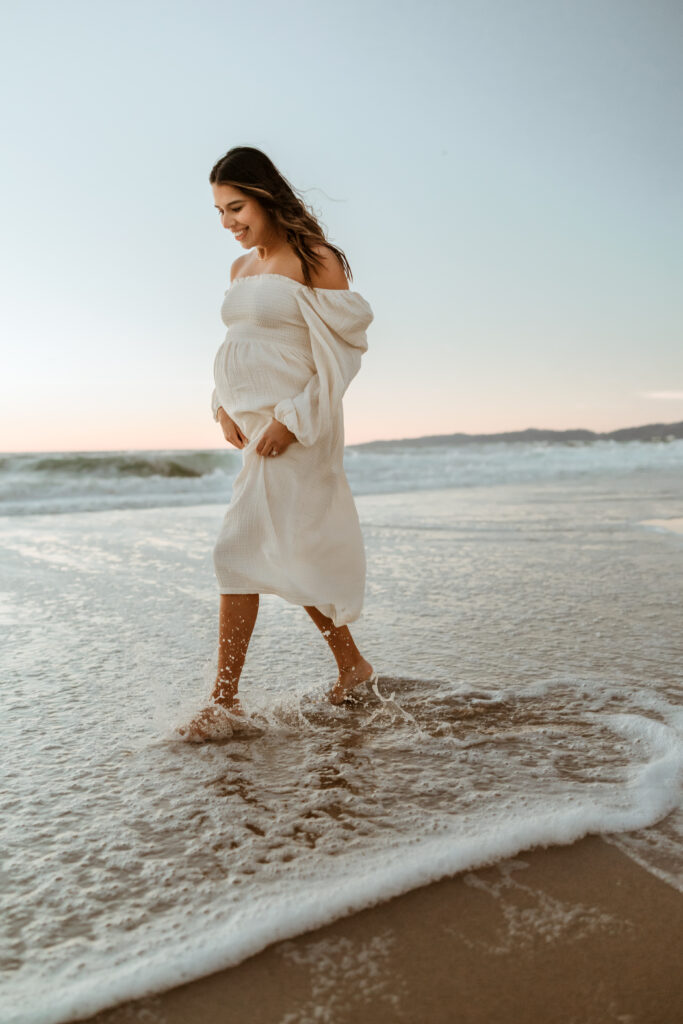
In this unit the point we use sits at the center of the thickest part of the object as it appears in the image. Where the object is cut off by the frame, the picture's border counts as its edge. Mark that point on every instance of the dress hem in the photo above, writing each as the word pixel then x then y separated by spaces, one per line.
pixel 301 604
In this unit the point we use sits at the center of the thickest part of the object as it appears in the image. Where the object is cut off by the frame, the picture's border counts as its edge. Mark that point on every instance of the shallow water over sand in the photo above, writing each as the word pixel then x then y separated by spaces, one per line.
pixel 527 646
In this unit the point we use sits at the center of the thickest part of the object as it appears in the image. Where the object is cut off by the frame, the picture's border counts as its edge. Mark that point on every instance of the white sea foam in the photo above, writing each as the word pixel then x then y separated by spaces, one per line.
pixel 91 481
pixel 527 697
pixel 200 936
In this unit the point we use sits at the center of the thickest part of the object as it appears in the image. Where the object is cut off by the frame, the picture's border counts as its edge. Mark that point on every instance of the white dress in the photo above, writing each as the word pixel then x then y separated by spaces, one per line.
pixel 292 526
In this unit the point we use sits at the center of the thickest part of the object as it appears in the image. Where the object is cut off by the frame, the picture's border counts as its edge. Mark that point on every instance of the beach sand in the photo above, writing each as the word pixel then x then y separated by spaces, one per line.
pixel 574 934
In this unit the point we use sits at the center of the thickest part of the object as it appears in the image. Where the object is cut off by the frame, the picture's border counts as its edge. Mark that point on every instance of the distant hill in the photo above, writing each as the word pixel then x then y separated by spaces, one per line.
pixel 650 432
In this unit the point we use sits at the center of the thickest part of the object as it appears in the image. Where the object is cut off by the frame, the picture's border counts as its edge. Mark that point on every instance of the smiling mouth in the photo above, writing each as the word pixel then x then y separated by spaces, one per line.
pixel 240 234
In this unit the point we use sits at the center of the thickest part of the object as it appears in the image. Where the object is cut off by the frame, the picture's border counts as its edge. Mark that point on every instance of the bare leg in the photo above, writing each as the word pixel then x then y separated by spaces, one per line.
pixel 236 619
pixel 353 667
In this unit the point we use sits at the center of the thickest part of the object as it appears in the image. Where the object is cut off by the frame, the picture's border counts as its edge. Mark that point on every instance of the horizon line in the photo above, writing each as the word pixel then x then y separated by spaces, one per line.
pixel 358 444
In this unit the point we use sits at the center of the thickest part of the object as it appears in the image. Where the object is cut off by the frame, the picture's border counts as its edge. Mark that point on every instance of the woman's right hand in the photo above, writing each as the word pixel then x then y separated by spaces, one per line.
pixel 231 432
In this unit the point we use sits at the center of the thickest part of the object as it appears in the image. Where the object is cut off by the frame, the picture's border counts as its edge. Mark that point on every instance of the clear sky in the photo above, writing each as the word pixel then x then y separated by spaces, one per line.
pixel 505 177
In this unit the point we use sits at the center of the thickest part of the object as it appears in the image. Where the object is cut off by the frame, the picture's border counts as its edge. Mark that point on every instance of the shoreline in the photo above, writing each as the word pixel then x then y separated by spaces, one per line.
pixel 559 935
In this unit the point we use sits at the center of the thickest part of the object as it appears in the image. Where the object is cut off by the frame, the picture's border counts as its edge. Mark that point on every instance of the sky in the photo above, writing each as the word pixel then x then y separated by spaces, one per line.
pixel 504 176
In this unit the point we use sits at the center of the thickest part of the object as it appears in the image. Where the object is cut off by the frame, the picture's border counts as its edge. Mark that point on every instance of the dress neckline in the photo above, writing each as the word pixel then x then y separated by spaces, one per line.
pixel 284 277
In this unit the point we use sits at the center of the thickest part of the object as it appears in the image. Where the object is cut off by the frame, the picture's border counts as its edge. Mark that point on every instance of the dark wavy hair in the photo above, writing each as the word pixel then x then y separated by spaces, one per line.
pixel 252 172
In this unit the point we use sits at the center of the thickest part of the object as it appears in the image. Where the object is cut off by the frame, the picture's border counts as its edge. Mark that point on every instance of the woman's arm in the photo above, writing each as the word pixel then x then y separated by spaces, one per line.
pixel 337 344
pixel 215 405
pixel 337 320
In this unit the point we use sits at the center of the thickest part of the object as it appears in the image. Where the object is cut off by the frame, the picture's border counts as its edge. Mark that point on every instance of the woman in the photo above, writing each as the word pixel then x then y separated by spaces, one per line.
pixel 295 338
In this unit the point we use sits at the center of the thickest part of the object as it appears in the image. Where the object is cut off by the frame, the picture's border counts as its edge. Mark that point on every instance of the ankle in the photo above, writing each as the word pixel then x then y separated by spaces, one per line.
pixel 351 664
pixel 224 691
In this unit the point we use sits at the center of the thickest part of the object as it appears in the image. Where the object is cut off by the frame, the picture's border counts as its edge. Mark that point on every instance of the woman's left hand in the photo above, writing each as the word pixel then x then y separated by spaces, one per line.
pixel 275 439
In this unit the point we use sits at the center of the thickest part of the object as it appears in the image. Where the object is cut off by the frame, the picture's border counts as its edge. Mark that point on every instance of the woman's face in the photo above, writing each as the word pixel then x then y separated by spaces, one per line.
pixel 241 214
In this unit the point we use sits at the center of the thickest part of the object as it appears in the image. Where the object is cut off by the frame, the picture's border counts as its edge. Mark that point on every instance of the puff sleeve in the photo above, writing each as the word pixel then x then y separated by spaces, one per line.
pixel 215 404
pixel 337 320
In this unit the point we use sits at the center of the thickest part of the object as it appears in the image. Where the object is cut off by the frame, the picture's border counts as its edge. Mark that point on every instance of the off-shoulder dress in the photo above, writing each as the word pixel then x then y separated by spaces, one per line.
pixel 292 526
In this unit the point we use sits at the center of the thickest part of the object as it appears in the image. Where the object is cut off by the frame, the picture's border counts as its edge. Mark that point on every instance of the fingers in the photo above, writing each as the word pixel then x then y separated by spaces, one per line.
pixel 268 447
pixel 264 445
pixel 232 433
pixel 268 444
pixel 234 436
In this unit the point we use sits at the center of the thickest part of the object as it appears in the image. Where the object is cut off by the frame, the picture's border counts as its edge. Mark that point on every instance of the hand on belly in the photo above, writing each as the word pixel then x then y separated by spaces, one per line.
pixel 275 439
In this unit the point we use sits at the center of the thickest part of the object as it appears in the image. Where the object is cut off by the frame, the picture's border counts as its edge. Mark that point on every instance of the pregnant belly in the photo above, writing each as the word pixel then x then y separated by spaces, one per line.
pixel 251 378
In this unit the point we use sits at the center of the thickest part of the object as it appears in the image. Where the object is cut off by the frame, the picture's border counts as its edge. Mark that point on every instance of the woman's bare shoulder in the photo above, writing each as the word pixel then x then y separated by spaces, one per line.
pixel 331 274
pixel 238 266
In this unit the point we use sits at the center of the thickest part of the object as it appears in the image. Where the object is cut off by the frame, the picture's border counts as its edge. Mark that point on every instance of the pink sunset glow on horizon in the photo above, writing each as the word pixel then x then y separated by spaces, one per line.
pixel 138 432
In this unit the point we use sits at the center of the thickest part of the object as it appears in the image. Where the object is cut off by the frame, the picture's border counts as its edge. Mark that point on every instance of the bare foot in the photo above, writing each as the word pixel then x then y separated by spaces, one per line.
pixel 211 723
pixel 350 678
pixel 225 694
pixel 233 706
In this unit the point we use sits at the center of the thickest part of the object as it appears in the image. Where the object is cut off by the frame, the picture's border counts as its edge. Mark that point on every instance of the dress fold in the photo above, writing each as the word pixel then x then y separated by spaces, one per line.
pixel 337 321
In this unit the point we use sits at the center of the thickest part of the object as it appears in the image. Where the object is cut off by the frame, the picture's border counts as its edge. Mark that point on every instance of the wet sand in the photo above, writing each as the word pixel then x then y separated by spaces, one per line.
pixel 565 935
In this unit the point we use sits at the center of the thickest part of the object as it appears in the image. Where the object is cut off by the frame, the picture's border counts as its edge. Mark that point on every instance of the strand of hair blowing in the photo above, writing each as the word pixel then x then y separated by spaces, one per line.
pixel 251 171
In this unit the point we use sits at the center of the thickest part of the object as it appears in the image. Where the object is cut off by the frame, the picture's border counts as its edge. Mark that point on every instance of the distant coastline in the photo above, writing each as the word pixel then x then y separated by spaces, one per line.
pixel 650 432
pixel 655 432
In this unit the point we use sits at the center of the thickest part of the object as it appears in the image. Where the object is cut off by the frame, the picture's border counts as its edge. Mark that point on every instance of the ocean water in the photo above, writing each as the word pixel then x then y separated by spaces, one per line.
pixel 522 610
pixel 92 481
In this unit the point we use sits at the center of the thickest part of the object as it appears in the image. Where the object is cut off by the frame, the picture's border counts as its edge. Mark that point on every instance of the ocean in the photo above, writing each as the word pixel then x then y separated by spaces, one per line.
pixel 522 608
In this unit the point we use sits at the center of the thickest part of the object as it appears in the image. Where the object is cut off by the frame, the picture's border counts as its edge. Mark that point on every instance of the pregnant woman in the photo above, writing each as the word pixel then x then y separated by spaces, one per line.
pixel 295 337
